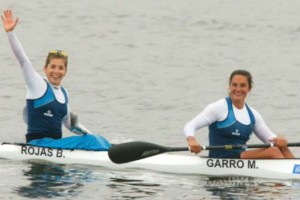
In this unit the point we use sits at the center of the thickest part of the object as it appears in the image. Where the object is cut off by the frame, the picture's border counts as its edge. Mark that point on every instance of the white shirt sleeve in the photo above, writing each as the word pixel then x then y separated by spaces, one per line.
pixel 74 127
pixel 61 98
pixel 261 130
pixel 216 111
pixel 36 86
pixel 67 120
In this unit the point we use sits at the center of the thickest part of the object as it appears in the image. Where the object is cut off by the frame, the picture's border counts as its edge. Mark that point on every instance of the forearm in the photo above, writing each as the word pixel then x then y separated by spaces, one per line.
pixel 265 134
pixel 36 86
pixel 192 126
pixel 72 124
pixel 17 48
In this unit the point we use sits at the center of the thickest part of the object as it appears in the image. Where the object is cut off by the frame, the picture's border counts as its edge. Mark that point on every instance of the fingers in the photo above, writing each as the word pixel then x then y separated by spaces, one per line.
pixel 193 144
pixel 8 22
pixel 280 142
pixel 195 149
pixel 8 13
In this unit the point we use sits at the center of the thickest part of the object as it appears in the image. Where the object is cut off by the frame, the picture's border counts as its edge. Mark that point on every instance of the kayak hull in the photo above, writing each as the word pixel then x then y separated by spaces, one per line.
pixel 169 163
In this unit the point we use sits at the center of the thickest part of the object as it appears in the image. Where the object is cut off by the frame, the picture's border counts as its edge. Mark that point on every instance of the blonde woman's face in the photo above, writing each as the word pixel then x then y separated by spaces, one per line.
pixel 55 71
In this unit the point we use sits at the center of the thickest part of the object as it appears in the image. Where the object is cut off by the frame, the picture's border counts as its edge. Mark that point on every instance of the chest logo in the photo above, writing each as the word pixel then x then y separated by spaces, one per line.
pixel 48 113
pixel 236 132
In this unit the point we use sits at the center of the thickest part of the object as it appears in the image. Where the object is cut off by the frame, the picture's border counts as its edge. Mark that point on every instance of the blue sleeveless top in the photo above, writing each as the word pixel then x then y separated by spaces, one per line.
pixel 230 131
pixel 45 116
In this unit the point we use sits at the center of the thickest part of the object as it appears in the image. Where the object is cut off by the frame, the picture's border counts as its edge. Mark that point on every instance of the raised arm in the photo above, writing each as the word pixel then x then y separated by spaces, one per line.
pixel 36 86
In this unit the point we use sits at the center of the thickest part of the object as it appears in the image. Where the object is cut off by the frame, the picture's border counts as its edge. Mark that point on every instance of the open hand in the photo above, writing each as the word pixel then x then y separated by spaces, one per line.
pixel 9 23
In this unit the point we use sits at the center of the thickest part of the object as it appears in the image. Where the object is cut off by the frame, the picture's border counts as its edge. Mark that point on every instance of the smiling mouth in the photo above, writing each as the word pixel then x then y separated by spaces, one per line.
pixel 55 77
pixel 238 94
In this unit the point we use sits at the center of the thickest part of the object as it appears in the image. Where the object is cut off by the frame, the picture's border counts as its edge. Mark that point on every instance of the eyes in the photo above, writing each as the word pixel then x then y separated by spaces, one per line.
pixel 241 85
pixel 239 82
pixel 59 67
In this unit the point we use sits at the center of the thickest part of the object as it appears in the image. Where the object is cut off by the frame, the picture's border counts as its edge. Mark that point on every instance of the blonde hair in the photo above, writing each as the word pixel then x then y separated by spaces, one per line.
pixel 57 54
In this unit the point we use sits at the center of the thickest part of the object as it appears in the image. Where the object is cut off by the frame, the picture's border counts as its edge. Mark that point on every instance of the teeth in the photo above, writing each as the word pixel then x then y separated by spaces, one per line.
pixel 238 94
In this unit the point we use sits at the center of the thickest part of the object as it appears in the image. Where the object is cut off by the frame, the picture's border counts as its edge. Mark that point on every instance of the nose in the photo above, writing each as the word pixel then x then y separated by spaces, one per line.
pixel 56 70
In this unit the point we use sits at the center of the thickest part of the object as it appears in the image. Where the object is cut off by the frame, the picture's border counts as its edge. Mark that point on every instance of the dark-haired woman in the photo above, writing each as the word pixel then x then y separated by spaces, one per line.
pixel 231 122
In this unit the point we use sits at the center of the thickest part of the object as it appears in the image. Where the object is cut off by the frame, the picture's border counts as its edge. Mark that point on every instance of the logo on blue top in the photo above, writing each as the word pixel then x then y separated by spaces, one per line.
pixel 48 113
pixel 296 169
pixel 236 132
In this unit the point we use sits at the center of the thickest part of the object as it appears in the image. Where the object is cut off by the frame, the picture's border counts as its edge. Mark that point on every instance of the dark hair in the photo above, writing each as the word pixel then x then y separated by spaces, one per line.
pixel 243 73
pixel 57 54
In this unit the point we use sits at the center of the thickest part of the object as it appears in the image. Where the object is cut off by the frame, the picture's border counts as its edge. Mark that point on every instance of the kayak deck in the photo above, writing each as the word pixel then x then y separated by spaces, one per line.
pixel 168 163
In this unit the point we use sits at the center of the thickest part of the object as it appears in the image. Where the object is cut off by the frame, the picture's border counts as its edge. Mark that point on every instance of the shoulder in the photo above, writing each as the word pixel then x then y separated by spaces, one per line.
pixel 219 104
pixel 216 111
pixel 256 114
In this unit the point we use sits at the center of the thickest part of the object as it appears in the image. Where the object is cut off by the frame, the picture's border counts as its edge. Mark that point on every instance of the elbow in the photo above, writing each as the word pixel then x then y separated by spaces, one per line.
pixel 188 130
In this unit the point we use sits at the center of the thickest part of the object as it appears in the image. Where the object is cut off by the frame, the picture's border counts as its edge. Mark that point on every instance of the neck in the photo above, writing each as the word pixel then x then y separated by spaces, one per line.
pixel 52 85
pixel 238 104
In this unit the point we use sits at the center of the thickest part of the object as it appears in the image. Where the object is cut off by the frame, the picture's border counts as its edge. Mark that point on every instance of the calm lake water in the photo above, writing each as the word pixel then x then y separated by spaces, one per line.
pixel 139 70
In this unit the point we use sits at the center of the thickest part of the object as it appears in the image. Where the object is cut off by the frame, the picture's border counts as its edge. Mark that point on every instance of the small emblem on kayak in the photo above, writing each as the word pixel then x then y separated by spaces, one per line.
pixel 150 152
pixel 296 169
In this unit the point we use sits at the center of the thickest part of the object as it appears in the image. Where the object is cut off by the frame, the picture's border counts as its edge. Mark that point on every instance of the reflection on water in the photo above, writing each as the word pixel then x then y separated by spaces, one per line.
pixel 147 185
pixel 247 188
pixel 137 187
pixel 49 180
pixel 42 180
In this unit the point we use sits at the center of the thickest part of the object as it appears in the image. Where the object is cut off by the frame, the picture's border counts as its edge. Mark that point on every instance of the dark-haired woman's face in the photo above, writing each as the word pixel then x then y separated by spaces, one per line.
pixel 239 88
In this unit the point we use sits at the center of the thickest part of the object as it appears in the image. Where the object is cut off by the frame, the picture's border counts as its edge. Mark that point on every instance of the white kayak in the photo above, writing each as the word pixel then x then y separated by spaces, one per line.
pixel 170 163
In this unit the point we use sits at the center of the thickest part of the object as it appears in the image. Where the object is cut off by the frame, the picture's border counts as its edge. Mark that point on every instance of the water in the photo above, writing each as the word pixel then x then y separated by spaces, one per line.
pixel 139 70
